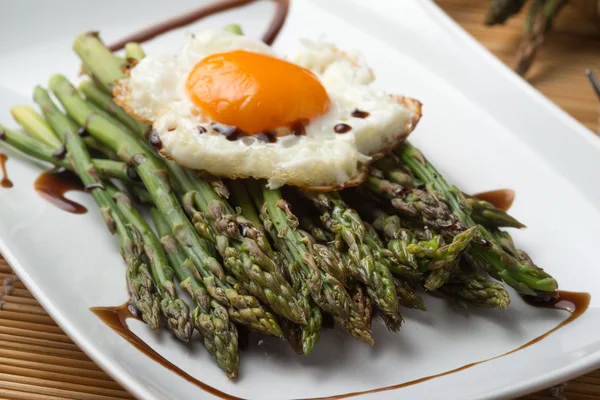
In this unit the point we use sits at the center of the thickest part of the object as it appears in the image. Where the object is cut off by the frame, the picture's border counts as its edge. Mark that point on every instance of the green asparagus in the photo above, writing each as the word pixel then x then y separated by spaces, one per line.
pixel 155 177
pixel 210 318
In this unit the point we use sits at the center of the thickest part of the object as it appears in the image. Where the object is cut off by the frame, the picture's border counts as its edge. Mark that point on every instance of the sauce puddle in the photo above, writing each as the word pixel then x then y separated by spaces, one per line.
pixel 576 303
pixel 501 198
pixel 5 182
pixel 52 186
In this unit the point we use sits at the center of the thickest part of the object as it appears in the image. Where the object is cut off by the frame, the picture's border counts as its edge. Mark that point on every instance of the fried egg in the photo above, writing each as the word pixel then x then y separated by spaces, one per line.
pixel 228 105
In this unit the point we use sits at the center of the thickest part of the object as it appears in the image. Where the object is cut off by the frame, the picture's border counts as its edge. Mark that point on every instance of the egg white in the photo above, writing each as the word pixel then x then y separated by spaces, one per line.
pixel 155 92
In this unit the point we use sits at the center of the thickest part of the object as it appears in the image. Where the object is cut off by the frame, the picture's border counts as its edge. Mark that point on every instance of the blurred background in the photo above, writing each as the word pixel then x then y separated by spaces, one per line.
pixel 551 43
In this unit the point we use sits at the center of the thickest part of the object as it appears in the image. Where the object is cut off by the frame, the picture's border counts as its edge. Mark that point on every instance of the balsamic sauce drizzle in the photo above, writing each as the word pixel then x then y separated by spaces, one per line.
pixel 52 186
pixel 5 182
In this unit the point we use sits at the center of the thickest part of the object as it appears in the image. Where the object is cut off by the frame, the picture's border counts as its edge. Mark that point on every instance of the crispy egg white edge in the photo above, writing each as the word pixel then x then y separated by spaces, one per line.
pixel 156 92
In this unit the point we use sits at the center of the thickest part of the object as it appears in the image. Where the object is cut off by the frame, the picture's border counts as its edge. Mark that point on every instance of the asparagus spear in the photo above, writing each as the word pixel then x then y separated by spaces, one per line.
pixel 35 125
pixel 139 282
pixel 245 250
pixel 209 317
pixel 490 216
pixel 175 310
pixel 472 288
pixel 407 296
pixel 302 269
pixel 96 58
pixel 398 238
pixel 369 263
pixel 133 51
pixel 441 260
pixel 417 204
pixel 327 292
pixel 302 338
pixel 330 260
pixel 34 148
pixel 526 279
pixel 154 176
pixel 409 195
pixel 501 10
pixel 105 102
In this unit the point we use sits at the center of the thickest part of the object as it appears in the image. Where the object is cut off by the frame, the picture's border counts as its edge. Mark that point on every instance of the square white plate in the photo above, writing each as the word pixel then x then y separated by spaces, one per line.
pixel 483 126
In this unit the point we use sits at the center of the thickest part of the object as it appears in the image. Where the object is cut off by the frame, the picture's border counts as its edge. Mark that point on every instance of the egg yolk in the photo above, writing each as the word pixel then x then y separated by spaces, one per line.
pixel 255 92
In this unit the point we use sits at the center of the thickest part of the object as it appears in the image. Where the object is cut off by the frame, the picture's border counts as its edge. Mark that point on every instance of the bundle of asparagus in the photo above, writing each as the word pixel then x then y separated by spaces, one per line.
pixel 275 261
pixel 540 16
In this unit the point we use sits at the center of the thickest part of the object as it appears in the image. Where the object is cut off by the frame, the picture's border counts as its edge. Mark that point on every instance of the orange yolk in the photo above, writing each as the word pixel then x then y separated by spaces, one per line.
pixel 255 92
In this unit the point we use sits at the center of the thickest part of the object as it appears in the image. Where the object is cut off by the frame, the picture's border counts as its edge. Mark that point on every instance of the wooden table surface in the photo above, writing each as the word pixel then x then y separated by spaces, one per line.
pixel 39 362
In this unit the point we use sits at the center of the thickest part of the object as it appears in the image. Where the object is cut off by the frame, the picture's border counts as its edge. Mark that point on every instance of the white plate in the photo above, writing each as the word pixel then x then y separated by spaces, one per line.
pixel 483 126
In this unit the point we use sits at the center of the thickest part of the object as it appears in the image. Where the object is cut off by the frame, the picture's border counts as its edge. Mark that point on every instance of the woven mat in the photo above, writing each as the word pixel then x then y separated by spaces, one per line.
pixel 39 362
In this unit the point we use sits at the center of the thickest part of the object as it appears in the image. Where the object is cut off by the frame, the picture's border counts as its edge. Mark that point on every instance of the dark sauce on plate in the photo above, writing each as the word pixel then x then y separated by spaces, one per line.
pixel 115 318
pixel 576 303
pixel 501 198
pixel 52 186
pixel 5 182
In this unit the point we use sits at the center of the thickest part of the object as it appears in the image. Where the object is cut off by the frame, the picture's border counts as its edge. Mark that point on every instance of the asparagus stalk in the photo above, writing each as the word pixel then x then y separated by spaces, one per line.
pixel 358 323
pixel 175 310
pixel 133 51
pixel 35 125
pixel 155 177
pixel 393 181
pixel 96 58
pixel 210 318
pixel 526 279
pixel 398 238
pixel 441 261
pixel 407 296
pixel 326 291
pixel 302 338
pixel 105 102
pixel 245 250
pixel 474 289
pixel 490 216
pixel 234 28
pixel 501 10
pixel 106 169
pixel 417 204
pixel 139 282
pixel 302 270
pixel 370 264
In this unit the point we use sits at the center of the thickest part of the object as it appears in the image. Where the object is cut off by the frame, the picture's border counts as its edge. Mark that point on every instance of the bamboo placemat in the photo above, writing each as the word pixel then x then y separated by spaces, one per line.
pixel 39 362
